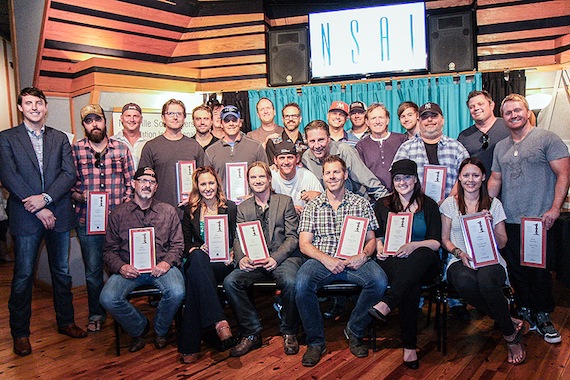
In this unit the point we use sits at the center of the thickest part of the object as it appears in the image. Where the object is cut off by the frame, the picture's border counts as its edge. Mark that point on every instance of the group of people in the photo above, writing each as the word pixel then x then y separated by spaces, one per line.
pixel 302 188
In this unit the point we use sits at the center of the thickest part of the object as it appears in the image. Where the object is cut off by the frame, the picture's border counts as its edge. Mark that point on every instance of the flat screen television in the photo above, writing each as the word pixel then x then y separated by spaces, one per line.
pixel 368 41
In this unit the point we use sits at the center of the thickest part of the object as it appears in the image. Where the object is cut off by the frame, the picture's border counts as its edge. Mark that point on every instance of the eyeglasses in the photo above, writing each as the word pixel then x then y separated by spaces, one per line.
pixel 427 115
pixel 294 116
pixel 485 141
pixel 90 120
pixel 230 119
pixel 144 181
pixel 400 178
pixel 98 160
pixel 172 114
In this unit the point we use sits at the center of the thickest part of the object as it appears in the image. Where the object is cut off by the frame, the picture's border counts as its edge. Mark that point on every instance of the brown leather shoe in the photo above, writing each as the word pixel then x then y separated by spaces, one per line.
pixel 72 330
pixel 22 346
pixel 290 344
pixel 246 344
pixel 189 358
pixel 138 342
pixel 160 342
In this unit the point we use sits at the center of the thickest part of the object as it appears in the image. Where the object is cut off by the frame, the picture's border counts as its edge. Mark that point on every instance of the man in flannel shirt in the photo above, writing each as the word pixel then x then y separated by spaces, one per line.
pixel 101 164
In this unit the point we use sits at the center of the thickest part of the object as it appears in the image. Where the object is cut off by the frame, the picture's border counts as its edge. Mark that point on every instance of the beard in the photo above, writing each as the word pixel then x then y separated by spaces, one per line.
pixel 97 135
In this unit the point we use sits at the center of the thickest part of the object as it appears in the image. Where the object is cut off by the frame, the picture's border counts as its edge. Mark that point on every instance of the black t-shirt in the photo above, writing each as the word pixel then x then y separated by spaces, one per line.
pixel 431 151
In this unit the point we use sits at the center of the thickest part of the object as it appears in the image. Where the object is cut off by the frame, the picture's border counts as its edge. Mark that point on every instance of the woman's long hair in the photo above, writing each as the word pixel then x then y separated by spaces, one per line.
pixel 195 199
pixel 484 199
pixel 394 204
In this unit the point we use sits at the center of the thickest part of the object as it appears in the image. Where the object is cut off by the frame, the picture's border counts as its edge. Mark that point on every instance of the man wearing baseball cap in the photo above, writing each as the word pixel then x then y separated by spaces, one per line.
pixel 356 113
pixel 289 179
pixel 101 164
pixel 234 147
pixel 336 119
pixel 143 212
pixel 131 119
pixel 432 147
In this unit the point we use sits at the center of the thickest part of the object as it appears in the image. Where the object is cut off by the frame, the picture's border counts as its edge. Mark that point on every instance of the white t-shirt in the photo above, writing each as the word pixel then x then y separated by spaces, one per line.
pixel 304 180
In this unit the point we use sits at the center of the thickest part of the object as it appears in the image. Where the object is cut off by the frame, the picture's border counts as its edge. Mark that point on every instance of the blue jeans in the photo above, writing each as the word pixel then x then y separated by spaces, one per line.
pixel 114 300
pixel 26 252
pixel 92 252
pixel 313 275
pixel 237 283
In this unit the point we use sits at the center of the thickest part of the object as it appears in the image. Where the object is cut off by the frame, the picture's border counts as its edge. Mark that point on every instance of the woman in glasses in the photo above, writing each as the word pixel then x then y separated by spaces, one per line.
pixel 203 311
pixel 480 287
pixel 413 263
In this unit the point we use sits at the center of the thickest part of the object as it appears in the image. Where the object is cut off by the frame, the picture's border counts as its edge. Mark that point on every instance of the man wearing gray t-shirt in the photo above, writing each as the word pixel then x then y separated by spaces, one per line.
pixel 531 169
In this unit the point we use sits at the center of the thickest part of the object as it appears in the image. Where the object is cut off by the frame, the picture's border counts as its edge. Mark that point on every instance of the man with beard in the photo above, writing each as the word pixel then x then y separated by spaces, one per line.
pixel 36 166
pixel 292 119
pixel 269 129
pixel 143 212
pixel 202 117
pixel 101 164
pixel 131 119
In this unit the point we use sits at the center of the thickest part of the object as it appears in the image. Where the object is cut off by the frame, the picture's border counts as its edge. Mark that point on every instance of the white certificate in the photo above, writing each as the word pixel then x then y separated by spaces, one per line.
pixel 216 237
pixel 184 171
pixel 398 231
pixel 352 236
pixel 434 181
pixel 533 243
pixel 479 239
pixel 236 181
pixel 142 249
pixel 97 212
pixel 252 241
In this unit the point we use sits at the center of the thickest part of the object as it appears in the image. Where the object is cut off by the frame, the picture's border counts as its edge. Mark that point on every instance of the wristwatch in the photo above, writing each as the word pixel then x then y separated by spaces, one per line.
pixel 456 252
pixel 47 198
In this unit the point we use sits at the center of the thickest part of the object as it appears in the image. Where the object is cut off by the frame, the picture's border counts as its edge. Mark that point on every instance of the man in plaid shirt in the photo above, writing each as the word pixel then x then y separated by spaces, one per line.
pixel 101 164
pixel 319 236
pixel 432 147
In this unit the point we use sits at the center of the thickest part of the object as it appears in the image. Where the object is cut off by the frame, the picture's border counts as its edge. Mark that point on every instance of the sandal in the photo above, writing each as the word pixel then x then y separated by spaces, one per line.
pixel 223 330
pixel 94 326
pixel 512 346
pixel 189 358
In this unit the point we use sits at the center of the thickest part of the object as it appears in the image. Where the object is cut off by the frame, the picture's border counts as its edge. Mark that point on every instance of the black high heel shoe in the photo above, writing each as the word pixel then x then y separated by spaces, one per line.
pixel 414 364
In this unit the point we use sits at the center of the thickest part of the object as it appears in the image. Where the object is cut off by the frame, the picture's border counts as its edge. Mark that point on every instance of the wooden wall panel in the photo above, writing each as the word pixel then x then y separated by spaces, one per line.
pixel 220 45
pixel 526 34
pixel 522 12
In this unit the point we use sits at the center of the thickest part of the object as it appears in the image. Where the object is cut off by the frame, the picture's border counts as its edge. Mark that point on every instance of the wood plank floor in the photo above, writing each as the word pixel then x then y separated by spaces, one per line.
pixel 475 350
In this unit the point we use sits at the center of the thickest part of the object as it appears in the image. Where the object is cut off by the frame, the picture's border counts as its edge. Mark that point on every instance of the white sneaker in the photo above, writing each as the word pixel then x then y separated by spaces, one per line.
pixel 545 328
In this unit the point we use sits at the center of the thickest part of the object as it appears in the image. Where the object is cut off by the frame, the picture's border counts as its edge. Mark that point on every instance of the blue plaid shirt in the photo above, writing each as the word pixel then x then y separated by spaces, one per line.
pixel 450 153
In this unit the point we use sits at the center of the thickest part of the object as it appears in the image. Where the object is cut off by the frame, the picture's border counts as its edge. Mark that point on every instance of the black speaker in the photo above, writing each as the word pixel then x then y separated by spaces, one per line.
pixel 288 57
pixel 451 42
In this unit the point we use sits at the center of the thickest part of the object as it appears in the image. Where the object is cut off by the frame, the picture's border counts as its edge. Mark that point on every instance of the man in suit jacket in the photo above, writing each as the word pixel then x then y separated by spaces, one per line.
pixel 279 222
pixel 36 166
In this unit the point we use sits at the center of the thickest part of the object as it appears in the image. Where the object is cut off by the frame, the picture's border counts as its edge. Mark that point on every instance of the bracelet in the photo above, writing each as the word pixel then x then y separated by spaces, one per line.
pixel 456 252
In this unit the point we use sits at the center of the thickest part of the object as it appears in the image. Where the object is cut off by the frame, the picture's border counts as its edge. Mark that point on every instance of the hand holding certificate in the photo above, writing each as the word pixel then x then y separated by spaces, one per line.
pixel 480 240
pixel 184 171
pixel 352 236
pixel 97 212
pixel 236 181
pixel 533 243
pixel 216 237
pixel 434 180
pixel 142 249
pixel 252 241
pixel 398 231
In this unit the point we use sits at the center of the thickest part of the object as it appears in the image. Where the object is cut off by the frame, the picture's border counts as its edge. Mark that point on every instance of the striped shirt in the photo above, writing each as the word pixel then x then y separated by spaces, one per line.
pixel 113 174
pixel 325 223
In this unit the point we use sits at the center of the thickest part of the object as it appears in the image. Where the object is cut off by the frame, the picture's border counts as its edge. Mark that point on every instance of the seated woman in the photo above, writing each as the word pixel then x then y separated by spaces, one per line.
pixel 202 307
pixel 414 263
pixel 480 287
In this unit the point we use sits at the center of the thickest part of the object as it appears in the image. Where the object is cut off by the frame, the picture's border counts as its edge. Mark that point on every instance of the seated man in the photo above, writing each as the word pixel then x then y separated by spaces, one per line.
pixel 319 234
pixel 279 223
pixel 143 211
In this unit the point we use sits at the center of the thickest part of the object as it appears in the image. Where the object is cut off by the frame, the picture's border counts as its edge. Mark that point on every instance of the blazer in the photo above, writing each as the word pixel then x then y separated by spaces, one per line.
pixel 283 223
pixel 191 226
pixel 20 174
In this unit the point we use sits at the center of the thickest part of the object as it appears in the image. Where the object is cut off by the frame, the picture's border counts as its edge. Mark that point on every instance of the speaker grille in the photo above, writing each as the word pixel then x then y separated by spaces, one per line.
pixel 451 43
pixel 288 57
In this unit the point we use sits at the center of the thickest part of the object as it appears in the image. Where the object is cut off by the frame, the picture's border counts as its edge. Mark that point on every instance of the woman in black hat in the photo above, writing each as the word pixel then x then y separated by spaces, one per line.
pixel 414 263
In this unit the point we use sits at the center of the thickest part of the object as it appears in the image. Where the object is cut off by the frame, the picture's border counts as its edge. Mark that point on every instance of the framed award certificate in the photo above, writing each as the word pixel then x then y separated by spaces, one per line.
pixel 252 240
pixel 398 231
pixel 480 240
pixel 216 237
pixel 184 171
pixel 533 243
pixel 236 180
pixel 352 236
pixel 434 181
pixel 97 212
pixel 142 249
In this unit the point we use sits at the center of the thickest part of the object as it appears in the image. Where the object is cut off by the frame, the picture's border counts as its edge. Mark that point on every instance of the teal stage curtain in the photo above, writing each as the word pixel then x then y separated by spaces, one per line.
pixel 450 92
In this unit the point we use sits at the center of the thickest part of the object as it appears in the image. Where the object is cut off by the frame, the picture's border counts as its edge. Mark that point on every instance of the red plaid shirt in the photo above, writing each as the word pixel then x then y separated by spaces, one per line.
pixel 113 175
